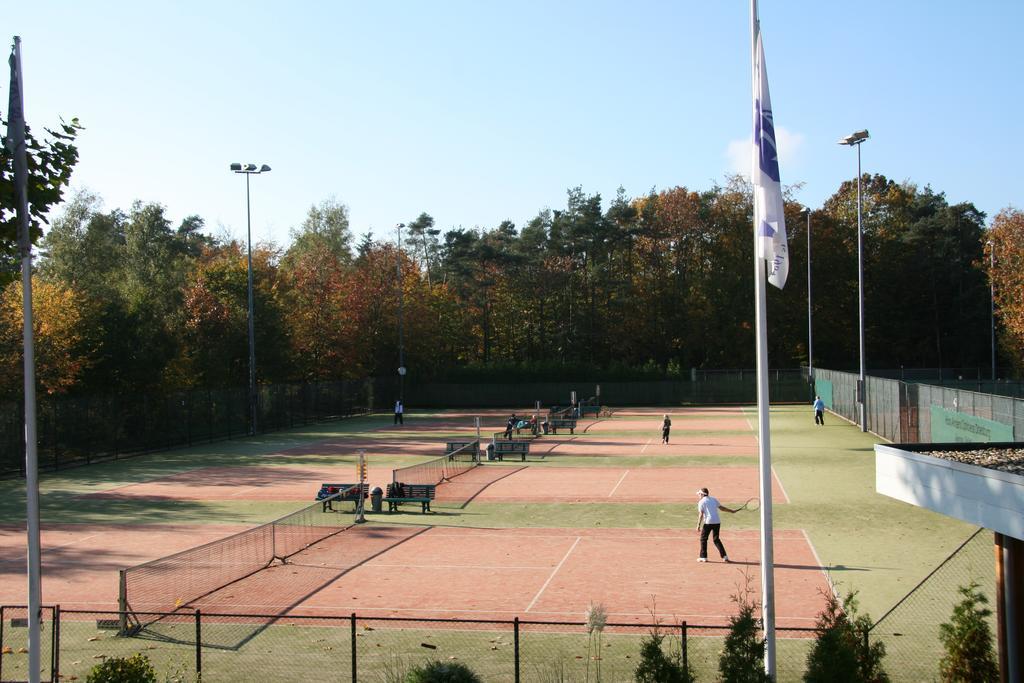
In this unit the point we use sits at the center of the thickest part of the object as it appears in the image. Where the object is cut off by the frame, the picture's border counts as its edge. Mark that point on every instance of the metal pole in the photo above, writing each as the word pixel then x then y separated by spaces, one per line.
pixel 764 433
pixel 810 335
pixel 860 298
pixel 401 339
pixel 16 138
pixel 992 302
pixel 252 335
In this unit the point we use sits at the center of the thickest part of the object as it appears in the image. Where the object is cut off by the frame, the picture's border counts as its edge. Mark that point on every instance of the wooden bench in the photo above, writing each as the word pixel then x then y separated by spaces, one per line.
pixel 350 491
pixel 503 448
pixel 563 423
pixel 453 446
pixel 399 493
pixel 591 409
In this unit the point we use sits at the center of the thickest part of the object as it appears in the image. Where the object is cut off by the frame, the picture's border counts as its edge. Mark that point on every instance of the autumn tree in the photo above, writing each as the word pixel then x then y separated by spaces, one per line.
pixel 63 349
pixel 1004 260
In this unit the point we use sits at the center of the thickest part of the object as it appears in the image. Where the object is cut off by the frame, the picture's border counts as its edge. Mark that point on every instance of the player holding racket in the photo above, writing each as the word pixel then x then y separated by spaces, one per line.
pixel 709 523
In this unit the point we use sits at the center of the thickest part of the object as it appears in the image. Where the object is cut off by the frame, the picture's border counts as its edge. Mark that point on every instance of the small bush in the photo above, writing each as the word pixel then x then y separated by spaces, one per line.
pixel 742 658
pixel 134 669
pixel 442 672
pixel 839 654
pixel 968 641
pixel 657 667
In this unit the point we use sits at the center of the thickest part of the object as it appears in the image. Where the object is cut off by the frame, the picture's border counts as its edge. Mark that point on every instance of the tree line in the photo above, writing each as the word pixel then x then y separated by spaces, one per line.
pixel 646 286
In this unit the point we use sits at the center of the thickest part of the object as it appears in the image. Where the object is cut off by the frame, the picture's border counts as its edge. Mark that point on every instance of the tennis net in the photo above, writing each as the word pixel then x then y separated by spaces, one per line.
pixel 172 582
pixel 440 469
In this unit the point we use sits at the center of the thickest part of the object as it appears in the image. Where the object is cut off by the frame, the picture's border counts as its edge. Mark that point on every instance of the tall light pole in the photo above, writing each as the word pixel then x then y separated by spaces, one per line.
pixel 248 170
pixel 401 339
pixel 992 301
pixel 810 335
pixel 855 140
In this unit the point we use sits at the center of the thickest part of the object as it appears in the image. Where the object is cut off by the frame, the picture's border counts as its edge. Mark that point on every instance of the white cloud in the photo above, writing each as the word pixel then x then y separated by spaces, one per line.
pixel 738 151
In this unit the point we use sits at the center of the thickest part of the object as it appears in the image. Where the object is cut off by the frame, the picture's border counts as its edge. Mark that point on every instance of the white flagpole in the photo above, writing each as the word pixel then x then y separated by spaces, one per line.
pixel 16 121
pixel 763 424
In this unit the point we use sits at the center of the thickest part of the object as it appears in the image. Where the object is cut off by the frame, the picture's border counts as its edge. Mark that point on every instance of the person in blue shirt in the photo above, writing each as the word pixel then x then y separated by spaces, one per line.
pixel 819 411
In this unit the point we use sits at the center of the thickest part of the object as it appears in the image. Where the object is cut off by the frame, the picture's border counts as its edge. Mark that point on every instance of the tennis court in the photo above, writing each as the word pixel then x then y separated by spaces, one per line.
pixel 619 484
pixel 433 571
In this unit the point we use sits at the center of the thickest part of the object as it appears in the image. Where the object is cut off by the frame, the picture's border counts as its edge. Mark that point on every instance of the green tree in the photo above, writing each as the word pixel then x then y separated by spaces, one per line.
pixel 326 227
pixel 50 163
pixel 840 653
pixel 134 669
pixel 657 667
pixel 742 658
pixel 967 640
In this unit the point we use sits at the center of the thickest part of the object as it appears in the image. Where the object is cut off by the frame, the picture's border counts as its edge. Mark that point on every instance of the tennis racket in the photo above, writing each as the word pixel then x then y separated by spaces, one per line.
pixel 751 504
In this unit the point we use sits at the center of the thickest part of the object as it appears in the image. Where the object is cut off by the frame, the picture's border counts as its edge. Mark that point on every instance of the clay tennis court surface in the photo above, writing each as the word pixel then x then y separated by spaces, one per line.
pixel 425 572
pixel 423 569
pixel 487 483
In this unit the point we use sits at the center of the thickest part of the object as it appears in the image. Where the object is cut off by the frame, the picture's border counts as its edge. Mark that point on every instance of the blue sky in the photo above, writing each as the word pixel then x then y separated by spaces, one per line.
pixel 476 112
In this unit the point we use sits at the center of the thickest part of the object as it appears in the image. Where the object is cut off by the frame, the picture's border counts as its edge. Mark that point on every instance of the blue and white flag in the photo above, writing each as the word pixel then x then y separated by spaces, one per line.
pixel 769 217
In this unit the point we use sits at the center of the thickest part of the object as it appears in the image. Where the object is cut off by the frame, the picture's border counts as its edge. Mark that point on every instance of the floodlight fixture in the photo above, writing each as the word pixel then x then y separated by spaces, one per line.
pixel 854 138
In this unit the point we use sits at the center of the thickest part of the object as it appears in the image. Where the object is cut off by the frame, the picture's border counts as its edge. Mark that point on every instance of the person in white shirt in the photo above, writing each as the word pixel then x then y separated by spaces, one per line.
pixel 710 524
pixel 399 410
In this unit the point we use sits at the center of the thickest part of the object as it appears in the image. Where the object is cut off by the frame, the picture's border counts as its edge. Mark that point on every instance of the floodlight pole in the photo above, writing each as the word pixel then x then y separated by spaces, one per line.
pixel 248 170
pixel 810 335
pixel 992 301
pixel 860 297
pixel 855 140
pixel 401 336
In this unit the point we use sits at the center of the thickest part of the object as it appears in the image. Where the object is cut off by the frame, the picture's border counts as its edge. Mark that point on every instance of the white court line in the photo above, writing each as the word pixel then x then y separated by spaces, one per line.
pixel 824 568
pixel 553 572
pixel 245 490
pixel 64 545
pixel 619 484
pixel 781 487
pixel 647 444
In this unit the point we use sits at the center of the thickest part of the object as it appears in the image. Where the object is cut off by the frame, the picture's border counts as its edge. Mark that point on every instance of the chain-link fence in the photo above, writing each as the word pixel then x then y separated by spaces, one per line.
pixel 81 430
pixel 910 629
pixel 913 412
pixel 187 646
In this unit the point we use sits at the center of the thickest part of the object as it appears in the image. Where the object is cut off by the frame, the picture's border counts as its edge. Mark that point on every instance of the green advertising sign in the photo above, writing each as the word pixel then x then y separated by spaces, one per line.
pixel 949 426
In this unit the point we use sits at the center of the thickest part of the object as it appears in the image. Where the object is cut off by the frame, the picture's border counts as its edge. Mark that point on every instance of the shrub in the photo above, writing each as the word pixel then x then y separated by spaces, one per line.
pixel 442 672
pixel 967 640
pixel 657 667
pixel 134 669
pixel 839 654
pixel 742 658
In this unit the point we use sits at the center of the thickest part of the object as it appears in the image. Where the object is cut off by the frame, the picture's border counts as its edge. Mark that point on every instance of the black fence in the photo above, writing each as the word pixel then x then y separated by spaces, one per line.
pixel 703 387
pixel 76 431
pixel 189 646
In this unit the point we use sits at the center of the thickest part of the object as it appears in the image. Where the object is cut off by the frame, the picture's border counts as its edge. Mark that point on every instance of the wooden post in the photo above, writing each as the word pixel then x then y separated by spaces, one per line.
pixel 1009 556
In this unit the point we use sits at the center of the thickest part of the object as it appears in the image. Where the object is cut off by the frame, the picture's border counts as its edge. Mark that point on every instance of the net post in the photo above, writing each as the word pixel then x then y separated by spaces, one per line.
pixel 360 500
pixel 684 646
pixel 199 647
pixel 122 602
pixel 355 666
pixel 515 631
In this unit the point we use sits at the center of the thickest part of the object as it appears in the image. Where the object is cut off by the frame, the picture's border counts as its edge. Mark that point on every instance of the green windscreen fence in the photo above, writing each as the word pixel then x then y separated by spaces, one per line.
pixel 914 412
